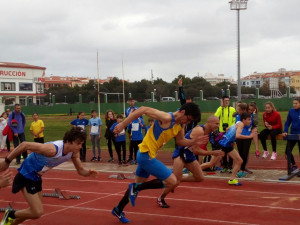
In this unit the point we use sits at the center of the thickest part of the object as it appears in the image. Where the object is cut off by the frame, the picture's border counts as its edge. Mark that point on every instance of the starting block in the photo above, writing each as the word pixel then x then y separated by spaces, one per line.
pixel 289 176
pixel 9 207
pixel 57 193
pixel 122 176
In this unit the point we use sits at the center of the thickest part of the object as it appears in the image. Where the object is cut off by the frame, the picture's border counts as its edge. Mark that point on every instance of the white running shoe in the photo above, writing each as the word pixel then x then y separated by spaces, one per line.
pixel 274 156
pixel 265 155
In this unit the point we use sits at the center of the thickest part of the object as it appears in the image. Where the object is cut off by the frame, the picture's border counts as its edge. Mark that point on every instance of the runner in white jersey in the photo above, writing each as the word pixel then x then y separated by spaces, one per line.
pixel 43 158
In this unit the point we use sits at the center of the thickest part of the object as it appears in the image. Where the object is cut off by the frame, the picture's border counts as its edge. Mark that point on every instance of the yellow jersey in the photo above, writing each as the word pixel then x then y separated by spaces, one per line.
pixel 157 136
pixel 37 126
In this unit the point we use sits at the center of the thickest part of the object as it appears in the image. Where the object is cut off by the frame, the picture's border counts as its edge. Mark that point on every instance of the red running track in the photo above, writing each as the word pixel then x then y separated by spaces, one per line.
pixel 210 202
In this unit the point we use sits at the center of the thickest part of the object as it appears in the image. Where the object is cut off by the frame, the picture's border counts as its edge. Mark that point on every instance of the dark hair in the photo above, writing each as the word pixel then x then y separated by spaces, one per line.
pixel 253 104
pixel 106 114
pixel 94 110
pixel 17 105
pixel 75 134
pixel 189 98
pixel 119 116
pixel 3 114
pixel 79 114
pixel 130 99
pixel 297 99
pixel 150 120
pixel 191 109
pixel 245 115
pixel 243 106
pixel 35 113
pixel 225 96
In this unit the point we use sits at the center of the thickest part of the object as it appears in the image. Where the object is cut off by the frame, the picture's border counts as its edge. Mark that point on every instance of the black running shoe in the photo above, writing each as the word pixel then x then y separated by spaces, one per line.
pixel 161 203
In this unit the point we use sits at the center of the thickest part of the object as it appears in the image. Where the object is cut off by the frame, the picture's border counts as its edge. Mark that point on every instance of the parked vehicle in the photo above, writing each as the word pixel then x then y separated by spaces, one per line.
pixel 213 98
pixel 167 99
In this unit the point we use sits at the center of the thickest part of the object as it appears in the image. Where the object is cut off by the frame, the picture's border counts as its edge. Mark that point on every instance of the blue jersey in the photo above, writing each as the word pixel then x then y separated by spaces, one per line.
pixel 94 123
pixel 293 118
pixel 35 165
pixel 136 130
pixel 80 123
pixel 121 136
pixel 229 137
pixel 247 129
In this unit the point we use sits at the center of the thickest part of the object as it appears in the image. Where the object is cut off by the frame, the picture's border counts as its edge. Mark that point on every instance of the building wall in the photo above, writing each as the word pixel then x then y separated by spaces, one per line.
pixel 295 83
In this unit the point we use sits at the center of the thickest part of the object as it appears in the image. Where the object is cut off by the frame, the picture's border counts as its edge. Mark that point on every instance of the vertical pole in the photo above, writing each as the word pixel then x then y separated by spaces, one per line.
pixel 123 88
pixel 152 96
pixel 98 85
pixel 238 56
pixel 105 98
pixel 201 95
pixel 176 95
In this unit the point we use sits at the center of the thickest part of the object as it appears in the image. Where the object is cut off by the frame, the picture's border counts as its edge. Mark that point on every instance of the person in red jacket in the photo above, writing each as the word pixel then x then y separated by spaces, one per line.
pixel 272 122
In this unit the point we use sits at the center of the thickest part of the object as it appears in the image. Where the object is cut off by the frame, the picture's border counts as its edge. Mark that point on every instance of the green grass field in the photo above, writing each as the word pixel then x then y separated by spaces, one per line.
pixel 57 125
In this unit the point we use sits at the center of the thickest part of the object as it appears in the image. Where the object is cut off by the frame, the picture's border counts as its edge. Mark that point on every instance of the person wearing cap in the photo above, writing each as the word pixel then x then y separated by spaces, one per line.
pixel 17 121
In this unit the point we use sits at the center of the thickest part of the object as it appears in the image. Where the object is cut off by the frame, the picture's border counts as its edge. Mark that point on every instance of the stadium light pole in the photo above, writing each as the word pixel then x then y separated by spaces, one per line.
pixel 238 5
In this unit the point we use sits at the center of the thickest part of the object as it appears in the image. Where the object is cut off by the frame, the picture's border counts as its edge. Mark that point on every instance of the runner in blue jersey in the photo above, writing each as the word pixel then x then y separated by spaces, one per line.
pixel 186 157
pixel 43 158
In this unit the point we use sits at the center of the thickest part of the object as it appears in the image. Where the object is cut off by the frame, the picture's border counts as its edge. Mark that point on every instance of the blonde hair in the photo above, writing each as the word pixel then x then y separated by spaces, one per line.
pixel 271 104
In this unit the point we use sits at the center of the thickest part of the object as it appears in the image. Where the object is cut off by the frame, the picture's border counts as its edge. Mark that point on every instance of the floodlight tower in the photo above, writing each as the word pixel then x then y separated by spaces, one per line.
pixel 238 5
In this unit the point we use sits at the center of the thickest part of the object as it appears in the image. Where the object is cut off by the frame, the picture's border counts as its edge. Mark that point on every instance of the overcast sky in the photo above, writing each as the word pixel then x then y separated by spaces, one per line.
pixel 170 37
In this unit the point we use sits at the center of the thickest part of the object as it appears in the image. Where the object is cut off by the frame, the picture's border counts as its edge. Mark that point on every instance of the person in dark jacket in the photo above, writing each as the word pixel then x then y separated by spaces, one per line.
pixel 109 121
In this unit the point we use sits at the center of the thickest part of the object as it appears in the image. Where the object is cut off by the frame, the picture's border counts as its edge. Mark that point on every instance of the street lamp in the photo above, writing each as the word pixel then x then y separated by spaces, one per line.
pixel 238 5
pixel 50 97
pixel 65 99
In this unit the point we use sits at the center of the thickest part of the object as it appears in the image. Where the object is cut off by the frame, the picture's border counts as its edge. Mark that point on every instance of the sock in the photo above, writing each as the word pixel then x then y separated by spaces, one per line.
pixel 152 184
pixel 11 214
pixel 124 201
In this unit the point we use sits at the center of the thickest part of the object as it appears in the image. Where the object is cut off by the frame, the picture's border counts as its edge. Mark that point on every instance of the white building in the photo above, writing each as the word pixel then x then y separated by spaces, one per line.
pixel 21 83
pixel 213 80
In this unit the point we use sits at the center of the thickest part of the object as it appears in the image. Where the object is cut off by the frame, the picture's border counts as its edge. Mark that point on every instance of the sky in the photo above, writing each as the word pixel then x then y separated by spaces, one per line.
pixel 170 37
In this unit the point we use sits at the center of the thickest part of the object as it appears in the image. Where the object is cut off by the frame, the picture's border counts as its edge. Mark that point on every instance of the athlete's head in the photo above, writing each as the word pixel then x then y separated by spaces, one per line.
pixel 296 103
pixel 109 115
pixel 269 107
pixel 17 108
pixel 80 115
pixel 213 123
pixel 151 121
pixel 191 112
pixel 188 99
pixel 119 118
pixel 75 137
pixel 252 108
pixel 131 102
pixel 242 107
pixel 246 118
pixel 35 116
pixel 93 113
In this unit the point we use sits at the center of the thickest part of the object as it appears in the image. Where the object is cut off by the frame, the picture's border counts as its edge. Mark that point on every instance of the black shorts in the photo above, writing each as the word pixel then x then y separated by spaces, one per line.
pixel 32 186
pixel 227 149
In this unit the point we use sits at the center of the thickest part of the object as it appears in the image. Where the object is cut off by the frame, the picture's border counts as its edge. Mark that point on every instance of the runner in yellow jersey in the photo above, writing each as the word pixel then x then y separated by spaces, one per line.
pixel 166 127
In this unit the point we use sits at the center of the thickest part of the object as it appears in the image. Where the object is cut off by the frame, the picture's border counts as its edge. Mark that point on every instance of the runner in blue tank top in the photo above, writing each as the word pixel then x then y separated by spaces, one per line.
pixel 186 157
pixel 43 158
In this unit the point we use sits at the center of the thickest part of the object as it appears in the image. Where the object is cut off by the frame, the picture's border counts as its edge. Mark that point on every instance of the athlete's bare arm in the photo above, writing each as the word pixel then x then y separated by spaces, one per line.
pixel 80 169
pixel 195 140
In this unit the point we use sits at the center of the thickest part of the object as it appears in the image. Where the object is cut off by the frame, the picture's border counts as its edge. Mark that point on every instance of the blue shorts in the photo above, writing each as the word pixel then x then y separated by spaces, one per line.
pixel 154 167
pixel 186 155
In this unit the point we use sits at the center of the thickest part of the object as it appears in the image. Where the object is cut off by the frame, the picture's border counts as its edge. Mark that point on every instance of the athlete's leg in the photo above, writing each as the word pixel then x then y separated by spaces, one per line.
pixel 237 162
pixel 178 165
pixel 35 209
pixel 195 168
pixel 212 162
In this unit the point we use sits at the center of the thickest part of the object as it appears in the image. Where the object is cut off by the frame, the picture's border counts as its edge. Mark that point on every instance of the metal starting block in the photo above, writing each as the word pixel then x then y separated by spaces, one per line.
pixel 122 176
pixel 57 193
pixel 9 207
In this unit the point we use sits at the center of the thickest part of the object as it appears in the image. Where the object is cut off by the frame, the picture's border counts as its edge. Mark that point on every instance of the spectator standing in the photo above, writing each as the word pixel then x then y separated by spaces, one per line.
pixel 37 129
pixel 3 124
pixel 135 128
pixel 8 111
pixel 293 120
pixel 95 125
pixel 81 122
pixel 109 121
pixel 272 122
pixel 17 121
pixel 253 110
pixel 120 141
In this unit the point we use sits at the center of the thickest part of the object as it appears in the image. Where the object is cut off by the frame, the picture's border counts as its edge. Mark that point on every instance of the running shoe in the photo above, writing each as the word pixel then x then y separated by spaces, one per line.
pixel 133 162
pixel 111 160
pixel 94 159
pixel 129 160
pixel 218 168
pixel 99 158
pixel 185 170
pixel 18 162
pixel 294 168
pixel 274 156
pixel 132 194
pixel 6 219
pixel 224 170
pixel 257 154
pixel 248 171
pixel 234 182
pixel 120 216
pixel 241 174
pixel 265 155
pixel 161 203
pixel 229 170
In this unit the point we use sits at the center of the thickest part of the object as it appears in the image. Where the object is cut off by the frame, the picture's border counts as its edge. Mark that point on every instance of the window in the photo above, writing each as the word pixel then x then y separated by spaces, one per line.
pixel 258 82
pixel 5 86
pixel 39 88
pixel 25 86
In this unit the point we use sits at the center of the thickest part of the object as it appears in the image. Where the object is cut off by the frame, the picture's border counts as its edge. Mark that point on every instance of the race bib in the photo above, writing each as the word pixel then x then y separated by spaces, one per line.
pixel 122 132
pixel 94 129
pixel 135 127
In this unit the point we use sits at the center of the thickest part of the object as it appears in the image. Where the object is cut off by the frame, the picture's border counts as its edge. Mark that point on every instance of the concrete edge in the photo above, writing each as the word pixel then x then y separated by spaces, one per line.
pixel 281 181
